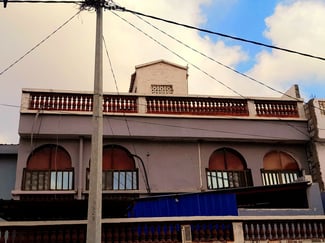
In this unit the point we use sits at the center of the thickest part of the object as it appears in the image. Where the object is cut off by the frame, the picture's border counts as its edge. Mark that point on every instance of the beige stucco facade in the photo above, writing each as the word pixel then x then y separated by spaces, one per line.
pixel 172 138
pixel 160 74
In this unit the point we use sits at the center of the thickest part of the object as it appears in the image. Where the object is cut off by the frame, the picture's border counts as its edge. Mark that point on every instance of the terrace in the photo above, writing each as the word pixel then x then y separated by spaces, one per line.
pixel 164 105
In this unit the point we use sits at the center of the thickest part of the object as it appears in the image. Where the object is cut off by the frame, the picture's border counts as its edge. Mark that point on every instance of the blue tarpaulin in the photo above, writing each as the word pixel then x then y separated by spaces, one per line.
pixel 195 204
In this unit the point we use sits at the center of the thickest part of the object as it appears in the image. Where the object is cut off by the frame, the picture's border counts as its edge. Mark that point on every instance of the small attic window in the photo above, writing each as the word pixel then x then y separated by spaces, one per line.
pixel 162 89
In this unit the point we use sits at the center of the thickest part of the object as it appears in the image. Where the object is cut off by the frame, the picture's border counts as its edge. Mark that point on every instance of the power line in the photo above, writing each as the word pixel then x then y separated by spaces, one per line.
pixel 124 118
pixel 206 73
pixel 220 63
pixel 9 105
pixel 116 7
pixel 179 56
pixel 220 34
pixel 5 2
pixel 158 43
pixel 38 44
pixel 144 175
pixel 111 66
pixel 115 81
pixel 42 1
pixel 212 130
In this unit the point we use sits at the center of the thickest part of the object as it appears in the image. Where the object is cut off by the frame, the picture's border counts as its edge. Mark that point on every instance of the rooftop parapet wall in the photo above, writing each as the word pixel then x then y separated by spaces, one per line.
pixel 81 103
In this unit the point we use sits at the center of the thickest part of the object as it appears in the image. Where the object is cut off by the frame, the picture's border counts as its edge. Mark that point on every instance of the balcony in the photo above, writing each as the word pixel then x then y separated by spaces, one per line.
pixel 197 229
pixel 168 105
pixel 276 177
pixel 218 179
pixel 45 180
pixel 118 180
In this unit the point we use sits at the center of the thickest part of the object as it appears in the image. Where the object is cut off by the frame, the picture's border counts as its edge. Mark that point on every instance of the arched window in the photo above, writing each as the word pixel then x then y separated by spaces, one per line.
pixel 119 170
pixel 48 168
pixel 227 168
pixel 279 168
pixel 116 157
pixel 278 160
pixel 226 159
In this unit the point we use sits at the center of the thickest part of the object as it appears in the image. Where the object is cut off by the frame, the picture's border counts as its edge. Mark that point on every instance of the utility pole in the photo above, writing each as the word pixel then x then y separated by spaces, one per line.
pixel 94 226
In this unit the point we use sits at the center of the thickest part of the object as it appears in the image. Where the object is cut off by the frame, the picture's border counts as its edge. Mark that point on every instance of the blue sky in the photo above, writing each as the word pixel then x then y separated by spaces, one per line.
pixel 243 19
pixel 246 19
pixel 65 61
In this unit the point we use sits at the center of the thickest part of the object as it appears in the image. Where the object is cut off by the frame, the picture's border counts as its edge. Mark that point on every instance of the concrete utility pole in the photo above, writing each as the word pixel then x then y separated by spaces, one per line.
pixel 94 226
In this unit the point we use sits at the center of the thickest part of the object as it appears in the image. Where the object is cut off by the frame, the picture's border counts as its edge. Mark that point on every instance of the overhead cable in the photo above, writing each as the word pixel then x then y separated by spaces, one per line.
pixel 218 62
pixel 5 2
pixel 38 44
pixel 221 64
pixel 145 175
pixel 111 66
pixel 219 34
pixel 179 56
pixel 185 127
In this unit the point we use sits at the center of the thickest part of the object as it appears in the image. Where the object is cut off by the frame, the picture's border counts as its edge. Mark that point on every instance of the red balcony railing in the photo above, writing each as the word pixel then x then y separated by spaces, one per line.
pixel 81 102
pixel 197 106
pixel 276 108
pixel 118 103
pixel 60 102
pixel 187 105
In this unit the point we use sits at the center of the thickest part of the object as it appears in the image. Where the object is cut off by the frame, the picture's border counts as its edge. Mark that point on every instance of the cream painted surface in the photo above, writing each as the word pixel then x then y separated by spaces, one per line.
pixel 161 73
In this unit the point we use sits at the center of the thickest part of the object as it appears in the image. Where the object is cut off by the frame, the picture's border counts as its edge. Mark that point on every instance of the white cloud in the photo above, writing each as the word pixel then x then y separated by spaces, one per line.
pixel 296 25
pixel 140 48
pixel 66 59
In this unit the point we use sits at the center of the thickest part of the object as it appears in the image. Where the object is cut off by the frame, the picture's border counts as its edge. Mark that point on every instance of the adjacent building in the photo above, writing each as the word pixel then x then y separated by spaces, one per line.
pixel 8 161
pixel 315 110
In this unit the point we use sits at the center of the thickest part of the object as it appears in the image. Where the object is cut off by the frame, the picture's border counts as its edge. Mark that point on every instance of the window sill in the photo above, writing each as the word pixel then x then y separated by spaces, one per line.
pixel 48 192
pixel 118 191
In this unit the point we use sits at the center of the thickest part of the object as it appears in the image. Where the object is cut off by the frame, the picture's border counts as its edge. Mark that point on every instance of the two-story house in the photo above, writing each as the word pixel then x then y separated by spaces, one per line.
pixel 163 147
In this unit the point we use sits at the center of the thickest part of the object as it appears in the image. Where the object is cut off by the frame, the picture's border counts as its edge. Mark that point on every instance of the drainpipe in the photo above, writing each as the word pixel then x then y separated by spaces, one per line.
pixel 200 164
pixel 80 168
pixel 145 172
